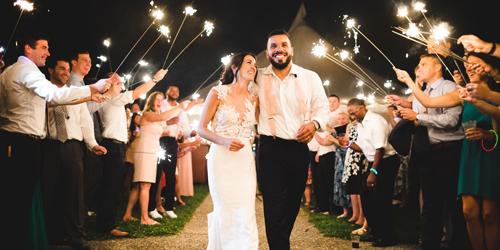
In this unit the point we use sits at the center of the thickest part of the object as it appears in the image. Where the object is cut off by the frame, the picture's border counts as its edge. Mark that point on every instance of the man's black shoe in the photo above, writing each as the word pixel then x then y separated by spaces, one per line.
pixel 384 243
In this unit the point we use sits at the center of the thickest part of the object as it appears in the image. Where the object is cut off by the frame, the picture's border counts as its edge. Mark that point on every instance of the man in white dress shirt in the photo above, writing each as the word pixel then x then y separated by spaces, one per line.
pixel 62 178
pixel 287 93
pixel 115 138
pixel 24 92
pixel 171 130
pixel 378 183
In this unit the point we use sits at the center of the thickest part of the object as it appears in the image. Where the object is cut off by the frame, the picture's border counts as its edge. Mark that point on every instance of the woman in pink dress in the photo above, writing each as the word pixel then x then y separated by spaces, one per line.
pixel 146 154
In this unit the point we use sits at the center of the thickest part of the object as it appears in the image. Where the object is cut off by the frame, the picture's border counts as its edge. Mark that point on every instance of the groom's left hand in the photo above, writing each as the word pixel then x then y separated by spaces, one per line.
pixel 306 132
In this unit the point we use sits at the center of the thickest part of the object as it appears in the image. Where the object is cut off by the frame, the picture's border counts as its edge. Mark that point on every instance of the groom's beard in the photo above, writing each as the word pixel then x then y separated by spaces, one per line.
pixel 280 65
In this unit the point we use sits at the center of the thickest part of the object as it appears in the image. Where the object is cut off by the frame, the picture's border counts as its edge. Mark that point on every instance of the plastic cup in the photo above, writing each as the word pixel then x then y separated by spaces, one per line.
pixel 355 240
pixel 469 124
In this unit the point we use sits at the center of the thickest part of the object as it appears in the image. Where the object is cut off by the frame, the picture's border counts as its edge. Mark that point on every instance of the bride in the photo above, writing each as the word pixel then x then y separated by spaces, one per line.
pixel 230 107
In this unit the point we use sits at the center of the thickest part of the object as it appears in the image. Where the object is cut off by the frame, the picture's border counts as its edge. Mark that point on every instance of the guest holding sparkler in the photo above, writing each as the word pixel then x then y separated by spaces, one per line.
pixel 378 183
pixel 439 166
pixel 146 154
pixel 177 122
pixel 479 160
pixel 24 92
pixel 114 140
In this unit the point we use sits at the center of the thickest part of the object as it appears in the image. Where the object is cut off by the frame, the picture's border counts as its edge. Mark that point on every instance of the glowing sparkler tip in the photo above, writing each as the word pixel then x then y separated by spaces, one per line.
pixel 161 154
pixel 360 83
pixel 2 49
pixel 102 58
pixel 24 5
pixel 143 63
pixel 319 49
pixel 107 42
pixel 350 23
pixel 209 27
pixel 403 11
pixel 189 11
pixel 326 83
pixel 225 60
pixel 420 7
pixel 164 31
pixel 413 30
pixel 440 32
pixel 157 14
pixel 195 96
pixel 344 54
pixel 146 78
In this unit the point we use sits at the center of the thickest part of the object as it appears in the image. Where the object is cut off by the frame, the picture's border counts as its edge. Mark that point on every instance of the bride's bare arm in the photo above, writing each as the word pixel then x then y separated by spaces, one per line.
pixel 207 115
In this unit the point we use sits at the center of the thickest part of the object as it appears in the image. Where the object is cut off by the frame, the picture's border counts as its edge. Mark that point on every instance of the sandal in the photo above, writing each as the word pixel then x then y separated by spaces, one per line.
pixel 361 232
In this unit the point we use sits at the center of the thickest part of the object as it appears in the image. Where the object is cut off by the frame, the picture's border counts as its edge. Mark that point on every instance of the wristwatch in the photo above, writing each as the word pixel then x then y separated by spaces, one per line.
pixel 316 124
pixel 154 80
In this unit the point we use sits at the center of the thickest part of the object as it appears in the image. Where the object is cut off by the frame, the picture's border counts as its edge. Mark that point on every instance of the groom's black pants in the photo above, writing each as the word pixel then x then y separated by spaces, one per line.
pixel 283 166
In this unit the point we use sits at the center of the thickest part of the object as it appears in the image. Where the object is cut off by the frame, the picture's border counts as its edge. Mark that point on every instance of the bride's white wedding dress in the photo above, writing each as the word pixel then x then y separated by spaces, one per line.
pixel 232 179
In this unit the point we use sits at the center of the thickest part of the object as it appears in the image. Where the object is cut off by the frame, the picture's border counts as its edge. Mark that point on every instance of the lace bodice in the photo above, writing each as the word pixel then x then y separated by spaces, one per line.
pixel 227 121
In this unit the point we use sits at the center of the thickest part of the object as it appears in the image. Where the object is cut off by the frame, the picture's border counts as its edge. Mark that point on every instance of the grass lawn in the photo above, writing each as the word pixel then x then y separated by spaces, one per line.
pixel 406 224
pixel 167 227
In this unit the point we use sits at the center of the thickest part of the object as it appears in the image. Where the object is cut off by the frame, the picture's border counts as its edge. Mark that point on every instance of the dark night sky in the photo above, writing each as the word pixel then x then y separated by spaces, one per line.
pixel 239 26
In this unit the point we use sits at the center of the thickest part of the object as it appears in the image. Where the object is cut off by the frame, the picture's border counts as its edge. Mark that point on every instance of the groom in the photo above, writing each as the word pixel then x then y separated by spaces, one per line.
pixel 287 93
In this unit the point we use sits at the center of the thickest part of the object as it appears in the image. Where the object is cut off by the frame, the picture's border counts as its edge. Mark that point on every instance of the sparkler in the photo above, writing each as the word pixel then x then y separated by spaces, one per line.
pixel 24 6
pixel 157 15
pixel 351 24
pixel 208 28
pixel 188 11
pixel 103 59
pixel 107 43
pixel 161 154
pixel 320 51
pixel 224 60
pixel 164 31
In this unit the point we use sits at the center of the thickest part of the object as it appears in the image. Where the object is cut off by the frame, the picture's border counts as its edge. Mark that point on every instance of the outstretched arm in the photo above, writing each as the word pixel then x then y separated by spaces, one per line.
pixel 445 101
pixel 146 87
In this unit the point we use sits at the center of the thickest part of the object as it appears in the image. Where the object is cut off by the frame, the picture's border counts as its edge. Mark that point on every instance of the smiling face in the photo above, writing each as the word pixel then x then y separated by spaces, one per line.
pixel 334 103
pixel 473 75
pixel 247 70
pixel 173 93
pixel 59 75
pixel 429 70
pixel 39 54
pixel 342 119
pixel 158 102
pixel 279 51
pixel 83 65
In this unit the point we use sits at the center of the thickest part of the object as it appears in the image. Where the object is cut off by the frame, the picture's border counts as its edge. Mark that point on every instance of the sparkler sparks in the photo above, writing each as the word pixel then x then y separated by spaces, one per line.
pixel 326 83
pixel 350 23
pixel 344 54
pixel 107 42
pixel 102 58
pixel 420 7
pixel 319 49
pixel 403 12
pixel 143 63
pixel 440 32
pixel 157 14
pixel 161 154
pixel 209 27
pixel 413 30
pixel 225 60
pixel 24 5
pixel 164 30
pixel 189 11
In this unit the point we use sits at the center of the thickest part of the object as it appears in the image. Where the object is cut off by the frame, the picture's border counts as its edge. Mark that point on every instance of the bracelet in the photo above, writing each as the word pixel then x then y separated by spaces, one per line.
pixel 373 170
pixel 496 141
pixel 493 48
pixel 349 144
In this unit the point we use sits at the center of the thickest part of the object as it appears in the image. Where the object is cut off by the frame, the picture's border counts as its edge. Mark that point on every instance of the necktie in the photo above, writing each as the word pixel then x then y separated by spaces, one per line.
pixel 60 115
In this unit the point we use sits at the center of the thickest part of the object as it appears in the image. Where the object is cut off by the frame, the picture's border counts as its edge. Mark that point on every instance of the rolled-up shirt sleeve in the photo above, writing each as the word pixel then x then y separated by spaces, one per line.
pixel 380 133
pixel 87 127
pixel 35 80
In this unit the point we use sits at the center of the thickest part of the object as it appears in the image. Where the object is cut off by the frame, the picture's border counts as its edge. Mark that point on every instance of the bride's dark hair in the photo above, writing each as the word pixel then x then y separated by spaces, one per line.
pixel 236 60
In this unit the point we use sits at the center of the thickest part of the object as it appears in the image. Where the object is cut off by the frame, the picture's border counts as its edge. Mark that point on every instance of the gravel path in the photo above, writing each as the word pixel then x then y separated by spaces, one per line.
pixel 194 236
